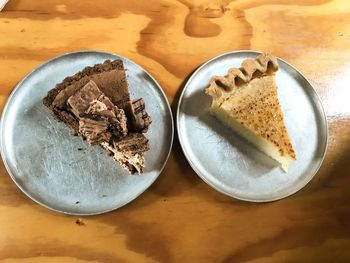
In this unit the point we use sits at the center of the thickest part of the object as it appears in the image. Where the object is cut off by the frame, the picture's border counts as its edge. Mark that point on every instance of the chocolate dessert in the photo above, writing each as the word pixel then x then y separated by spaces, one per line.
pixel 96 104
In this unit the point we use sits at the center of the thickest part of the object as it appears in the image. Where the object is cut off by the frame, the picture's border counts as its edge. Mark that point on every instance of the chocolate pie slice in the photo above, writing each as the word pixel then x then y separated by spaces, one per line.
pixel 246 101
pixel 96 104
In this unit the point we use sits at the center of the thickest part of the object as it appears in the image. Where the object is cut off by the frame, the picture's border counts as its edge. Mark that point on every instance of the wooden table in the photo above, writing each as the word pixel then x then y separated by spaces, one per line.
pixel 180 218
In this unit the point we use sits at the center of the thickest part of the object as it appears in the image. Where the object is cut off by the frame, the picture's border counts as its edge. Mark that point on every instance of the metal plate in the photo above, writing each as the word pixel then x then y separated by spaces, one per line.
pixel 62 172
pixel 230 164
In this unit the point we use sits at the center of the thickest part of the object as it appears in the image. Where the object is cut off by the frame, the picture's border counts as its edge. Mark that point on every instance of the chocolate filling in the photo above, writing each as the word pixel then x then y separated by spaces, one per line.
pixel 98 117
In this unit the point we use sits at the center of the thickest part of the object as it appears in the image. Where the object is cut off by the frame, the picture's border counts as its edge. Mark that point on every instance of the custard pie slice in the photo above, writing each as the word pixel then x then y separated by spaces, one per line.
pixel 246 100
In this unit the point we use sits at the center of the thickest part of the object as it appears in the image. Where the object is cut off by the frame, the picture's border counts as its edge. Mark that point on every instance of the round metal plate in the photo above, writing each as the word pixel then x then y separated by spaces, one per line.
pixel 230 164
pixel 62 172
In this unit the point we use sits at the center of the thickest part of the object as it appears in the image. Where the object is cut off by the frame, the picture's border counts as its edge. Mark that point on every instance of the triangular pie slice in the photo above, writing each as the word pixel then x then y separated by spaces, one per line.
pixel 246 100
pixel 96 103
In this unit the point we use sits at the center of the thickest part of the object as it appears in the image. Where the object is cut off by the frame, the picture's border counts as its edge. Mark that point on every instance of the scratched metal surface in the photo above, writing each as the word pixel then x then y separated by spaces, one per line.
pixel 230 164
pixel 60 171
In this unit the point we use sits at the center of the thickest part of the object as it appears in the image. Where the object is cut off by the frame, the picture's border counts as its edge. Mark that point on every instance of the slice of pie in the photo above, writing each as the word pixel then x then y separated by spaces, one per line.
pixel 96 104
pixel 246 100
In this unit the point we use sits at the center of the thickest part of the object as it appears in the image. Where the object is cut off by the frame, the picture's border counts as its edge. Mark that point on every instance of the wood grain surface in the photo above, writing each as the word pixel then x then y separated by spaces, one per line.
pixel 180 218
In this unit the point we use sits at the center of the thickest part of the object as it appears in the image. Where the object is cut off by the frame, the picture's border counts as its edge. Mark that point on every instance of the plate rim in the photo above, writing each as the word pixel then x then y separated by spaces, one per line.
pixel 208 182
pixel 18 86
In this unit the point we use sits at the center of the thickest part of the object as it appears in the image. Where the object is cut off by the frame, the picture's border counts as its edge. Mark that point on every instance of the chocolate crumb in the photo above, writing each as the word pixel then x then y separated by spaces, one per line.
pixel 80 222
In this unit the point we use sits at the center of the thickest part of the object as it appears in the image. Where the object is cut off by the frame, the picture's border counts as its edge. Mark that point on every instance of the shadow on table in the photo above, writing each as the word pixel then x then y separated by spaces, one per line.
pixel 321 220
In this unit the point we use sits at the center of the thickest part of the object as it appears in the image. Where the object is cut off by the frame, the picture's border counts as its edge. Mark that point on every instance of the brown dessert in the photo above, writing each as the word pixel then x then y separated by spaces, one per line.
pixel 96 103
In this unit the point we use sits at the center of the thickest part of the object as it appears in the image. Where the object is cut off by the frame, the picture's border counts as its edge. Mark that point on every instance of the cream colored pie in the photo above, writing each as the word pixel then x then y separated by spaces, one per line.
pixel 246 100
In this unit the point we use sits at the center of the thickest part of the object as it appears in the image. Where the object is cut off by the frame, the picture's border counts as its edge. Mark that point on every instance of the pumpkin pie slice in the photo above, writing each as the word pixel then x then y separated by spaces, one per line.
pixel 246 100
